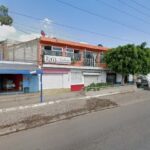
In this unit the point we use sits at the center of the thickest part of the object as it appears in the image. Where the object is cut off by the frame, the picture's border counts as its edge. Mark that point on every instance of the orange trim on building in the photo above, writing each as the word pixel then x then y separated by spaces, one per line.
pixel 70 44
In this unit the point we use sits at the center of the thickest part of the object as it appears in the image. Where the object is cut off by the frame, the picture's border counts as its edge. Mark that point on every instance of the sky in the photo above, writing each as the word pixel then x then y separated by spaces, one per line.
pixel 112 22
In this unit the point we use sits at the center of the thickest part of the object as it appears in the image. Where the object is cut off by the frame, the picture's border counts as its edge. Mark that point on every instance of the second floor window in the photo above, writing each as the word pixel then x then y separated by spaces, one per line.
pixel 102 57
pixel 52 50
pixel 70 53
pixel 47 50
pixel 88 55
pixel 57 51
pixel 77 55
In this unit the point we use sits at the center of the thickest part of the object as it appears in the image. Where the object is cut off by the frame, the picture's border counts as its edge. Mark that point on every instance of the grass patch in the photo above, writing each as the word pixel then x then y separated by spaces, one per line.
pixel 97 86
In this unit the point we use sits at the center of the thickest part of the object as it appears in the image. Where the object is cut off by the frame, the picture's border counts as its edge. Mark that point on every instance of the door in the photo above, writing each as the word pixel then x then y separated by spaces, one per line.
pixel 111 78
pixel 88 79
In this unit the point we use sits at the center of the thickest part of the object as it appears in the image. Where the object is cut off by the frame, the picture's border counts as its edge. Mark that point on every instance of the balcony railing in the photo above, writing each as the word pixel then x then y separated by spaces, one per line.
pixel 77 56
pixel 89 62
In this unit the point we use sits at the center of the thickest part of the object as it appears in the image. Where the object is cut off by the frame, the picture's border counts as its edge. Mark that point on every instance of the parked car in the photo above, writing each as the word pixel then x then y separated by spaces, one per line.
pixel 143 82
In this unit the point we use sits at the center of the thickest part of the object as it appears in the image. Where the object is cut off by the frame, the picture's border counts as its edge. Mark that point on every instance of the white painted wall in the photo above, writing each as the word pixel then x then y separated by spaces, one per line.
pixel 66 80
pixel 130 78
pixel 56 81
pixel 102 77
pixel 88 79
pixel 77 77
pixel 52 81
pixel 118 78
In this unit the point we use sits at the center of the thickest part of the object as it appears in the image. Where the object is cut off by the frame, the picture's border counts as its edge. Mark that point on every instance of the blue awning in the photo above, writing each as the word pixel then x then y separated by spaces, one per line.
pixel 13 71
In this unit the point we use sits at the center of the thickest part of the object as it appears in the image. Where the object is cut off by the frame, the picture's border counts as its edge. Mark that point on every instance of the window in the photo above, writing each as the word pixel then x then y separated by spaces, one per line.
pixel 59 49
pixel 89 59
pixel 102 57
pixel 70 53
pixel 70 50
pixel 52 50
pixel 47 50
pixel 56 51
pixel 77 55
pixel 88 54
pixel 47 47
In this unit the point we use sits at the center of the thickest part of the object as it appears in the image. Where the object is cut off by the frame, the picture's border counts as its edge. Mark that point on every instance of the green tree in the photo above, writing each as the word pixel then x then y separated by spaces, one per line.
pixel 5 19
pixel 129 59
pixel 144 56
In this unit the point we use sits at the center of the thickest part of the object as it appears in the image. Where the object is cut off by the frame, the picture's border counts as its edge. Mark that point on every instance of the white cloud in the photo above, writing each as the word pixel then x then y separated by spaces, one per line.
pixel 6 32
pixel 28 37
pixel 47 21
pixel 47 26
pixel 10 32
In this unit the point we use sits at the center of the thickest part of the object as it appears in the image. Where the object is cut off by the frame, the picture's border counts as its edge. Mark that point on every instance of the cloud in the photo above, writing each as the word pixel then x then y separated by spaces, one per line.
pixel 28 37
pixel 6 32
pixel 47 26
pixel 10 32
pixel 47 21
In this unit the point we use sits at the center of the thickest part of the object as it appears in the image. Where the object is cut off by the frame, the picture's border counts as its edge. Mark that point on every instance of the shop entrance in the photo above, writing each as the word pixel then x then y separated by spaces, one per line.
pixel 11 82
pixel 111 78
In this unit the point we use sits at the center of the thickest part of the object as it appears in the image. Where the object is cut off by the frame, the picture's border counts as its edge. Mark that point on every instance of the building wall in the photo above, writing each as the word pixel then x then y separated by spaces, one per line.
pixel 56 81
pixel 31 82
pixel 24 52
pixel 102 77
pixel 130 78
pixel 118 78
pixel 75 78
pixel 55 78
pixel 81 78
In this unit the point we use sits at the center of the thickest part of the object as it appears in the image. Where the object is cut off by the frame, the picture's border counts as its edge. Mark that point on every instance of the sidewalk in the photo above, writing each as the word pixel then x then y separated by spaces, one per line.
pixel 28 99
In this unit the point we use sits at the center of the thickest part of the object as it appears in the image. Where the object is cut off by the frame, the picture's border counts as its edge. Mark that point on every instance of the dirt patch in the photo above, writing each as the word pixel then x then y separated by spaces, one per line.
pixel 96 103
pixel 93 104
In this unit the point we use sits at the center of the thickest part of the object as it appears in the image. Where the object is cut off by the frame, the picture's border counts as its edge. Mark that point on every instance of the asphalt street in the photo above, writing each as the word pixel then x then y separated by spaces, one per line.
pixel 122 128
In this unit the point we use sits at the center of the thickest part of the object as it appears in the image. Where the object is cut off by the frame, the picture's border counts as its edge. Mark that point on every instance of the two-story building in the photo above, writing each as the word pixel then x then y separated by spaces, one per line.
pixel 68 64
pixel 63 64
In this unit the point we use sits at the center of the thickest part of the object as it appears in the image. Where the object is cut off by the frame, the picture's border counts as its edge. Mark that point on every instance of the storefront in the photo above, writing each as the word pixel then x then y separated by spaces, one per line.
pixel 24 81
pixel 56 78
pixel 11 82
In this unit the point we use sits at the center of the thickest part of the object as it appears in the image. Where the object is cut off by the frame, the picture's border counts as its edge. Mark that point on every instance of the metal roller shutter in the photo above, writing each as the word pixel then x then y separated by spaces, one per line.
pixel 88 79
pixel 52 81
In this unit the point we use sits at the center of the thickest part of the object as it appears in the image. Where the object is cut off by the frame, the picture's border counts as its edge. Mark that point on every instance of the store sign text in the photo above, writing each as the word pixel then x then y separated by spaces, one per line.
pixel 57 59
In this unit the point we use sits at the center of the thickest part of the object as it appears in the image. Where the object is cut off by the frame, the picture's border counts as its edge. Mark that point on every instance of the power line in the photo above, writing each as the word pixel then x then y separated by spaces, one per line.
pixel 30 29
pixel 23 31
pixel 134 8
pixel 140 5
pixel 103 17
pixel 73 27
pixel 124 12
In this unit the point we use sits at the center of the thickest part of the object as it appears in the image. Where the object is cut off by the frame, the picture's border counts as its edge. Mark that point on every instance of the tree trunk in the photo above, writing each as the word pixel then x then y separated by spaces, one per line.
pixel 122 81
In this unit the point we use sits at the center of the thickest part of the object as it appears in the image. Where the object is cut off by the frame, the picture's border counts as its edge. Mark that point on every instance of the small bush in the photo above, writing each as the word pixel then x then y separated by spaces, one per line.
pixel 96 86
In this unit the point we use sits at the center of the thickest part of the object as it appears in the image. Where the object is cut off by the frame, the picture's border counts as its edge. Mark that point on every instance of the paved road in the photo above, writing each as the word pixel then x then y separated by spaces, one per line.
pixel 123 128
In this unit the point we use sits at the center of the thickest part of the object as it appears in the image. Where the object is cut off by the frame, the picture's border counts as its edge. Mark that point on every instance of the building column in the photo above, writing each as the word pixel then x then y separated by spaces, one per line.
pixel 40 59
pixel 64 51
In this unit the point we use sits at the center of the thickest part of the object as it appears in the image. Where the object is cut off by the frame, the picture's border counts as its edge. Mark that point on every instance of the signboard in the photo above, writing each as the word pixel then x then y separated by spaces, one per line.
pixel 57 59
